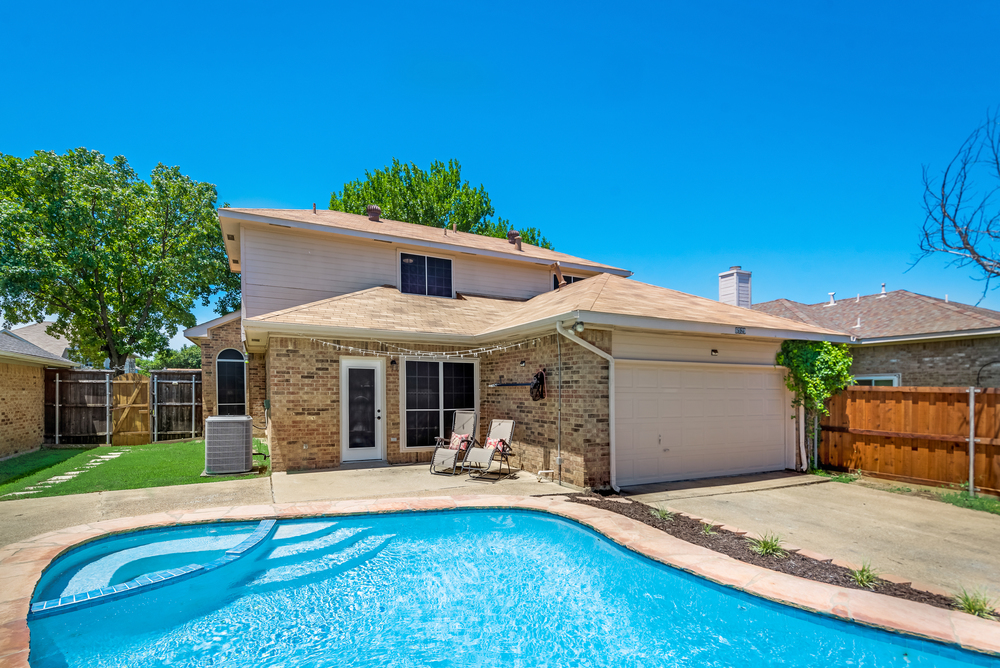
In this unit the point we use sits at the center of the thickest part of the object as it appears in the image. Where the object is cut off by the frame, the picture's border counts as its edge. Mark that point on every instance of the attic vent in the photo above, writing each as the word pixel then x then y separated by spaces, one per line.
pixel 236 261
pixel 230 237
pixel 374 211
pixel 514 237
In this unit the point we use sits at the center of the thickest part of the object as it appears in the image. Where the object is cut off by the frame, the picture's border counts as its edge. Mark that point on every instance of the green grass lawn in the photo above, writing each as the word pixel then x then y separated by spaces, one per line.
pixel 988 504
pixel 153 465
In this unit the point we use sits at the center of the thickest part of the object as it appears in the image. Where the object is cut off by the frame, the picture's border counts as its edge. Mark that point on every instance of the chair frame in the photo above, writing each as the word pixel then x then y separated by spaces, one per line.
pixel 504 450
pixel 442 443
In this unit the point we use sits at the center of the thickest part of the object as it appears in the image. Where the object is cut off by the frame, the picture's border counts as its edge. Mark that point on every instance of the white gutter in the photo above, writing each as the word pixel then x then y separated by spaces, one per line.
pixel 18 358
pixel 611 396
pixel 802 439
pixel 906 338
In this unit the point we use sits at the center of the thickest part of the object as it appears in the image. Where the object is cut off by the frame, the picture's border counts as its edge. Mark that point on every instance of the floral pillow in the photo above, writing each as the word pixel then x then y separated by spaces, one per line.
pixel 458 441
pixel 497 443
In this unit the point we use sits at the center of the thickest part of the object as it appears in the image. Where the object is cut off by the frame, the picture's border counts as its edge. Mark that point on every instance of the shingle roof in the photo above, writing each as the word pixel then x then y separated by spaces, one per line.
pixel 897 313
pixel 386 309
pixel 12 344
pixel 37 335
pixel 349 221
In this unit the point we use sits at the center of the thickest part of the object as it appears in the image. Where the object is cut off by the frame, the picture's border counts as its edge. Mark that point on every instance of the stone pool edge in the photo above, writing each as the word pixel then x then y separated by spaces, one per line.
pixel 22 563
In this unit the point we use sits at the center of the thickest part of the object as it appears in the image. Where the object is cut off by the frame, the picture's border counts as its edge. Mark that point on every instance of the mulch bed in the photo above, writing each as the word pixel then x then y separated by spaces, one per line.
pixel 738 547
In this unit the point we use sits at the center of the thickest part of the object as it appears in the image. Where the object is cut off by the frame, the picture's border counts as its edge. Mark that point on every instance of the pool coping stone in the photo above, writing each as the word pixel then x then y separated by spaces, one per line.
pixel 22 564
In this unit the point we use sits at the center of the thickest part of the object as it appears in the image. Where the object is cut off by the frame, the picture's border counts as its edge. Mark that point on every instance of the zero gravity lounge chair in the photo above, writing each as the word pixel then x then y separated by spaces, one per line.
pixel 449 453
pixel 480 456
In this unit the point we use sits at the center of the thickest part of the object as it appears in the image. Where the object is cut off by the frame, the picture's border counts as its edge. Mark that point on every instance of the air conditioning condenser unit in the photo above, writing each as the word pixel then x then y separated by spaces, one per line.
pixel 228 444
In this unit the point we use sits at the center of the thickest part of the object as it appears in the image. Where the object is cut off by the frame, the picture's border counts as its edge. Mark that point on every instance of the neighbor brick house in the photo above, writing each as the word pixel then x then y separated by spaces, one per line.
pixel 22 392
pixel 904 338
pixel 359 337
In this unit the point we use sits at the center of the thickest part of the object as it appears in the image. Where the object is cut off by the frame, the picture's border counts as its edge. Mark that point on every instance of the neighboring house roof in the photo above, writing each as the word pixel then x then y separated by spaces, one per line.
pixel 201 331
pixel 899 314
pixel 37 335
pixel 420 235
pixel 15 350
pixel 603 299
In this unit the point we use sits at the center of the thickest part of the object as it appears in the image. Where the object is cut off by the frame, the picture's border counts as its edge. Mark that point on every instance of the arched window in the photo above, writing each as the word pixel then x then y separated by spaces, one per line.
pixel 230 383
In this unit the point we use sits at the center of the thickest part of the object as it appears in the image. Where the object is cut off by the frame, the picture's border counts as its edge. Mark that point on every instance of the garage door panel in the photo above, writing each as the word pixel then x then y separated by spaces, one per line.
pixel 676 424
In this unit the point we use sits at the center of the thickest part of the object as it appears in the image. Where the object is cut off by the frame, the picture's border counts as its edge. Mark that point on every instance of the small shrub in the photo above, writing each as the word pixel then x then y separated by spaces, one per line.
pixel 707 529
pixel 976 603
pixel 988 504
pixel 768 545
pixel 661 513
pixel 900 490
pixel 866 576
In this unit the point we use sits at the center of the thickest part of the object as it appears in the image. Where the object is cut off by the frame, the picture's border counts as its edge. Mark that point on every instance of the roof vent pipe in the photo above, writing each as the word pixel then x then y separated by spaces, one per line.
pixel 833 302
pixel 946 299
pixel 314 207
pixel 374 212
pixel 517 242
pixel 883 291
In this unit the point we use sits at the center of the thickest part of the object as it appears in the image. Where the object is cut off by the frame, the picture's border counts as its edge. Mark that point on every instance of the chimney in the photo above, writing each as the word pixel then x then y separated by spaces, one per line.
pixel 374 212
pixel 734 287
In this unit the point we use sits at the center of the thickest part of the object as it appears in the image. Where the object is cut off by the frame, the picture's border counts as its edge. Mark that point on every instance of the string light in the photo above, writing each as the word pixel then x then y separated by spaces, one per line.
pixel 406 352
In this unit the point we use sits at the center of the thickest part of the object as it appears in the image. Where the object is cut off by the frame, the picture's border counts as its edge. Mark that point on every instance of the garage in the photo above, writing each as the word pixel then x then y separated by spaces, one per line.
pixel 678 421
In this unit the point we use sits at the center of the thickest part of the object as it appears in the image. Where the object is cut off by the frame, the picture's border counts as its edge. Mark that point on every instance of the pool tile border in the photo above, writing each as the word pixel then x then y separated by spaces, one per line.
pixel 21 565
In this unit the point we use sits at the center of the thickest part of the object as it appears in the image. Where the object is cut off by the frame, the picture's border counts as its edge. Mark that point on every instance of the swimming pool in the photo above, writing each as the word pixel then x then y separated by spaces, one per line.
pixel 465 588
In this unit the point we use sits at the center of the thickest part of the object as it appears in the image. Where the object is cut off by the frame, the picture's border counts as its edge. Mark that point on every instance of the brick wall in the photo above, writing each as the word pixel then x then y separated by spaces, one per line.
pixel 586 446
pixel 229 335
pixel 934 363
pixel 304 389
pixel 22 408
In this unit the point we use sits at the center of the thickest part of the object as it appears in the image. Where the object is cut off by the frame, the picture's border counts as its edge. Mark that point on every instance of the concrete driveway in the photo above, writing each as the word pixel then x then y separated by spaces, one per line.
pixel 928 542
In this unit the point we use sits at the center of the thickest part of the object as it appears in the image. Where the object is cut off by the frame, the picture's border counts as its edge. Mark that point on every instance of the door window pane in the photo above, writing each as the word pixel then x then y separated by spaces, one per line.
pixel 413 274
pixel 361 408
pixel 438 277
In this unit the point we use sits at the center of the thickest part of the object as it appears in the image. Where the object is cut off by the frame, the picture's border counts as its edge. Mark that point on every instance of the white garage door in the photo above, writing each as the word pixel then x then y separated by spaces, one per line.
pixel 677 422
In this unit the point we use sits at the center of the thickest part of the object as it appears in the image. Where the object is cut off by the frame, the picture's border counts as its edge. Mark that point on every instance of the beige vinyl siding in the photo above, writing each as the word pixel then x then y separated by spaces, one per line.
pixel 283 268
pixel 631 345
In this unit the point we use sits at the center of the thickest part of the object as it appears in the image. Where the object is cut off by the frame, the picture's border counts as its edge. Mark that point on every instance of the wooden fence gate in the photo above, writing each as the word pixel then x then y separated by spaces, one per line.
pixel 92 407
pixel 916 434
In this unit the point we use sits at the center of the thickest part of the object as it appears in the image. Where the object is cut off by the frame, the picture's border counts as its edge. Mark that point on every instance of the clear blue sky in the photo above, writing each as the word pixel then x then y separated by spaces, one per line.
pixel 673 139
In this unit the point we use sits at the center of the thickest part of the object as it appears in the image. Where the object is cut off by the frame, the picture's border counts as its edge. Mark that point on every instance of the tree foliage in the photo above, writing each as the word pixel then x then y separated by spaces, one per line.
pixel 188 357
pixel 816 371
pixel 437 197
pixel 962 205
pixel 119 261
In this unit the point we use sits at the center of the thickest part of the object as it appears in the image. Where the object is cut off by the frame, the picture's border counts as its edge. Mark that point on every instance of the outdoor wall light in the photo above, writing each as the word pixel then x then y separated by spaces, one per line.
pixel 578 328
pixel 392 363
pixel 715 353
pixel 522 362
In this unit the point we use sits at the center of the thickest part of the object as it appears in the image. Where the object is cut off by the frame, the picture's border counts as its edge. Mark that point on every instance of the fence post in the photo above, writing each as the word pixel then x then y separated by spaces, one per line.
pixel 57 409
pixel 156 406
pixel 972 441
pixel 107 408
pixel 192 406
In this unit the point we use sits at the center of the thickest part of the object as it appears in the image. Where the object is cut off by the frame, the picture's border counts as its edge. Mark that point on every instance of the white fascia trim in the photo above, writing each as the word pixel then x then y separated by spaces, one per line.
pixel 725 365
pixel 258 328
pixel 26 360
pixel 201 331
pixel 420 243
pixel 662 324
pixel 905 338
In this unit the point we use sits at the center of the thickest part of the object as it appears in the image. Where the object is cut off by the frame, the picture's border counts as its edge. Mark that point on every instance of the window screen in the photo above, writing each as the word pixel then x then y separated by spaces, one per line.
pixel 420 275
pixel 434 391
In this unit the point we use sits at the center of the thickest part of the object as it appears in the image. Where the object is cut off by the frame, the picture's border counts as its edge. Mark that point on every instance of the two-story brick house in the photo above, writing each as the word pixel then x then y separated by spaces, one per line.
pixel 359 337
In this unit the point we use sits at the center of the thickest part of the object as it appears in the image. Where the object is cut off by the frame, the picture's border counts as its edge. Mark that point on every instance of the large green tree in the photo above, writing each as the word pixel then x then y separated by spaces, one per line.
pixel 188 357
pixel 119 261
pixel 437 197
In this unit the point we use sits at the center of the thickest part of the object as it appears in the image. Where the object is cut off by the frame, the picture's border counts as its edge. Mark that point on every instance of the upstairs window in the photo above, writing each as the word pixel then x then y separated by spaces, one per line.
pixel 425 275
pixel 878 380
pixel 568 279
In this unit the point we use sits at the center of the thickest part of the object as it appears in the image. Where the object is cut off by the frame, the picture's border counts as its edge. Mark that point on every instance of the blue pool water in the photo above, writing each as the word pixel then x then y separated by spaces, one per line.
pixel 470 588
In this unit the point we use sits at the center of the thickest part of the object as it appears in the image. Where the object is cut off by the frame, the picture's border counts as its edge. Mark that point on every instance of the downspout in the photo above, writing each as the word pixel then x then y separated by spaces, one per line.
pixel 802 439
pixel 611 395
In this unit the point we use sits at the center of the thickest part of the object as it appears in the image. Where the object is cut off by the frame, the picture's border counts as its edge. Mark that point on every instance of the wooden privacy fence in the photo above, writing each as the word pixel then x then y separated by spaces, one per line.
pixel 92 407
pixel 918 434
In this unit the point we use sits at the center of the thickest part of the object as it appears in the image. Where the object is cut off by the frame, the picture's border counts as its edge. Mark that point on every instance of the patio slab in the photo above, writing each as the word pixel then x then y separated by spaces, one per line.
pixel 918 540
pixel 381 481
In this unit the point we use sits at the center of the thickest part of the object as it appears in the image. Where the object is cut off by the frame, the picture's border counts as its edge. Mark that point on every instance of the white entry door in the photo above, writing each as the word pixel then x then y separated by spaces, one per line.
pixel 362 412
pixel 678 422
